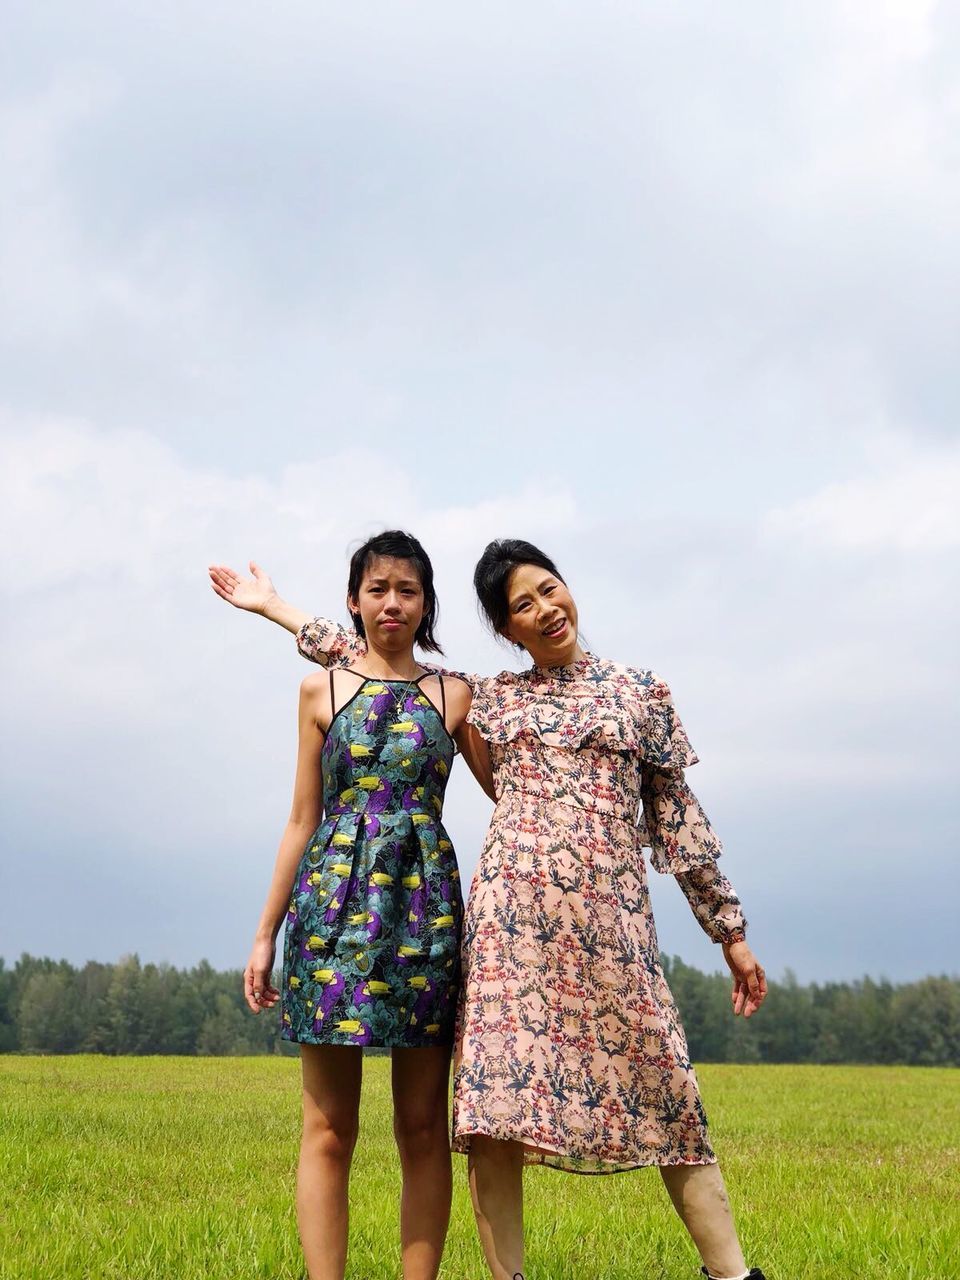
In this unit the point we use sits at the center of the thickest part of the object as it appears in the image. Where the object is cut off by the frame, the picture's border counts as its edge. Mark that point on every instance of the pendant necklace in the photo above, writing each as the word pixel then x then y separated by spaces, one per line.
pixel 398 702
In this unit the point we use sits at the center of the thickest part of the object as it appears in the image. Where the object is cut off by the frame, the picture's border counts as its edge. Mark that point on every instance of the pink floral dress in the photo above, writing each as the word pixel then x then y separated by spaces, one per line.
pixel 568 1038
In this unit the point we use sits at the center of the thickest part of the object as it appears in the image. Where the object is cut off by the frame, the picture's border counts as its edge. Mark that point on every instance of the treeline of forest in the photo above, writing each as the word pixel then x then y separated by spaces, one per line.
pixel 49 1006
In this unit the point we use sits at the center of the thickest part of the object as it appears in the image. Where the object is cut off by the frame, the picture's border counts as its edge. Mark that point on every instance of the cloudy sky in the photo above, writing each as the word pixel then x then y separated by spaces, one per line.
pixel 671 289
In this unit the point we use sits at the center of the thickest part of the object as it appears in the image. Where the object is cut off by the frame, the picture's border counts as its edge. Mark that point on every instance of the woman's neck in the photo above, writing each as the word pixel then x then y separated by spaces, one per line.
pixel 547 659
pixel 384 665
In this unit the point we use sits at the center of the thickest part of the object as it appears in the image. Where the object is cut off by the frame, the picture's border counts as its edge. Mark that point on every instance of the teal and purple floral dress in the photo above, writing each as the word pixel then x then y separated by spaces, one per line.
pixel 371 952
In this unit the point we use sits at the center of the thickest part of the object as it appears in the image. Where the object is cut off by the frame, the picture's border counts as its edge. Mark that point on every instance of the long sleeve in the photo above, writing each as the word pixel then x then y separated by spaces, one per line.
pixel 677 829
pixel 330 644
pixel 714 902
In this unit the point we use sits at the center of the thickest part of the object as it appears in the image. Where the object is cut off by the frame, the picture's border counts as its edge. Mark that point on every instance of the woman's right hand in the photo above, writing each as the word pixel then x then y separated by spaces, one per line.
pixel 257 986
pixel 253 594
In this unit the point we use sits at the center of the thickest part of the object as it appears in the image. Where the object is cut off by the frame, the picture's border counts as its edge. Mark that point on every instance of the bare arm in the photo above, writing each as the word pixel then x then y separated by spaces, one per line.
pixel 256 594
pixel 475 751
pixel 319 640
pixel 455 695
pixel 305 815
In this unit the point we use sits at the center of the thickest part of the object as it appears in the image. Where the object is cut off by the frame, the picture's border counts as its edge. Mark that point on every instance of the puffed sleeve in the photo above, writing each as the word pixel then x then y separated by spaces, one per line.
pixel 678 831
pixel 330 644
pixel 676 828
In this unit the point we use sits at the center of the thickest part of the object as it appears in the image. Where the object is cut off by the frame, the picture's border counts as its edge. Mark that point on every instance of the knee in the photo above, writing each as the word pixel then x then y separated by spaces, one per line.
pixel 420 1130
pixel 329 1137
pixel 494 1158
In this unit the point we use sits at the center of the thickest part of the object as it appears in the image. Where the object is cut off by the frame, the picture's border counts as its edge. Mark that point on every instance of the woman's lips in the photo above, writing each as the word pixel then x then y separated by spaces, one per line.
pixel 557 629
pixel 391 624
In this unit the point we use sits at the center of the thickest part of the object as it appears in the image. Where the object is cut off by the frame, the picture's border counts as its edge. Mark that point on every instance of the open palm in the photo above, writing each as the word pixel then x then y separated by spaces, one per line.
pixel 243 593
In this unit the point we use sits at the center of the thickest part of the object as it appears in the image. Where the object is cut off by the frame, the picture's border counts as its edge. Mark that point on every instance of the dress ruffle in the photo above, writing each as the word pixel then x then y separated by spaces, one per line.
pixel 591 701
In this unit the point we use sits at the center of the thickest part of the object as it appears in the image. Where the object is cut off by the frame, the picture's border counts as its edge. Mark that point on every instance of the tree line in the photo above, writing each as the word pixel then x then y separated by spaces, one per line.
pixel 49 1006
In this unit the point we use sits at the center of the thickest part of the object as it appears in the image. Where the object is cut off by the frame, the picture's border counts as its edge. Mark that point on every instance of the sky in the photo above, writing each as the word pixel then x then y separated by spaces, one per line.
pixel 671 290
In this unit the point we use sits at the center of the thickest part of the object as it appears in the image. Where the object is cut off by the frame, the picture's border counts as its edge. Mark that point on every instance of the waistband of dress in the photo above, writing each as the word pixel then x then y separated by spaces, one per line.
pixel 618 812
pixel 386 815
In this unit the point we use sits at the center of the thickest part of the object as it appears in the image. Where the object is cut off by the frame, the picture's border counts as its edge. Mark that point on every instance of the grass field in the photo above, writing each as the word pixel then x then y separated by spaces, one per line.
pixel 183 1168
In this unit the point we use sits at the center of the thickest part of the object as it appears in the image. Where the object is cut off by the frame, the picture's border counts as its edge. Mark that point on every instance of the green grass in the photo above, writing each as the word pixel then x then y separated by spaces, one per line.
pixel 151 1168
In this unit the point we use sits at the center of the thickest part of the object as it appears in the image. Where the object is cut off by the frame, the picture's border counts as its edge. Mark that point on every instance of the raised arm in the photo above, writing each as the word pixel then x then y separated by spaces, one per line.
pixel 255 594
pixel 318 639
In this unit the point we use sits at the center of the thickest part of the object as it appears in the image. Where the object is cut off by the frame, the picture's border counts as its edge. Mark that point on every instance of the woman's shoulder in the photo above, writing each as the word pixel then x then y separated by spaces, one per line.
pixel 604 677
pixel 646 683
pixel 447 673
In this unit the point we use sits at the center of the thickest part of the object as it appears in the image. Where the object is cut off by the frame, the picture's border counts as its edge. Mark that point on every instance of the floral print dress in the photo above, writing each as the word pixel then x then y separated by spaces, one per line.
pixel 371 951
pixel 568 1038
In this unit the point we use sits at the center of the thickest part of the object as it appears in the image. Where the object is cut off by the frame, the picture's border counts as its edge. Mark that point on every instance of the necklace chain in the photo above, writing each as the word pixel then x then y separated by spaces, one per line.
pixel 398 699
pixel 398 702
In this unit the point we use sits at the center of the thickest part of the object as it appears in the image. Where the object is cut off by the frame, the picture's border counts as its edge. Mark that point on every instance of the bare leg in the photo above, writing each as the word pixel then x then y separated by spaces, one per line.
pixel 331 1105
pixel 421 1085
pixel 496 1186
pixel 700 1198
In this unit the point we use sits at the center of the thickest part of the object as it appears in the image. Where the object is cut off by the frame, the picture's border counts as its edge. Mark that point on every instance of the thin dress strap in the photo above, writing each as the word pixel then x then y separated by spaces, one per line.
pixel 333 704
pixel 443 700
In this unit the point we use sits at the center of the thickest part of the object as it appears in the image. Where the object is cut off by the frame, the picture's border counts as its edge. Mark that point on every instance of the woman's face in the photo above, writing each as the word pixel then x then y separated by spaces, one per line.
pixel 542 616
pixel 390 603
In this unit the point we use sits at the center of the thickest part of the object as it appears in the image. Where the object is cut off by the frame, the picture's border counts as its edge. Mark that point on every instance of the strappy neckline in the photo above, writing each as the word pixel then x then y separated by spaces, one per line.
pixel 385 680
pixel 409 684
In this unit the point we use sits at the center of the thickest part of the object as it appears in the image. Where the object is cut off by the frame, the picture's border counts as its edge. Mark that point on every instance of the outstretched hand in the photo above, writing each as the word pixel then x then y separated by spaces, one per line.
pixel 749 980
pixel 252 594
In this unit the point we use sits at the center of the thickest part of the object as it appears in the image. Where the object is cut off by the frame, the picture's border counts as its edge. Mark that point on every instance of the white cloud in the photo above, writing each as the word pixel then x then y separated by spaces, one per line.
pixel 643 291
pixel 907 500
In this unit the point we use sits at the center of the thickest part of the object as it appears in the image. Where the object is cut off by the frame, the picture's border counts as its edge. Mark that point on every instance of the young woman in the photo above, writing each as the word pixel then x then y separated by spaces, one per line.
pixel 570 1051
pixel 368 883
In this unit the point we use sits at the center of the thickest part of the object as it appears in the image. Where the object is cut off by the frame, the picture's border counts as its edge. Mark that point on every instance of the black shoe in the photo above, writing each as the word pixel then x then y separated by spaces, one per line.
pixel 755 1273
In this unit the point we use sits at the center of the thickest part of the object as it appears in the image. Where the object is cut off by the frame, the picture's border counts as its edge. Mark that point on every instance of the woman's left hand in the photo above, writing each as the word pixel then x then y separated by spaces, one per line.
pixel 749 980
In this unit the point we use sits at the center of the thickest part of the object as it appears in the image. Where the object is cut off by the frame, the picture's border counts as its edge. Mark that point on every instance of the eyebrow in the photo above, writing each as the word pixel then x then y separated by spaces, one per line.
pixel 384 582
pixel 525 595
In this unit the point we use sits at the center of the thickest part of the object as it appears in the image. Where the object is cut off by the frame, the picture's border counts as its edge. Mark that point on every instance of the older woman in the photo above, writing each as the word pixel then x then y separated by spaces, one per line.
pixel 570 1051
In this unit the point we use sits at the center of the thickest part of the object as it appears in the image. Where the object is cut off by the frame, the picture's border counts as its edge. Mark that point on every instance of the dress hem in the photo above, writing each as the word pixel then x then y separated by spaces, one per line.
pixel 348 1042
pixel 541 1154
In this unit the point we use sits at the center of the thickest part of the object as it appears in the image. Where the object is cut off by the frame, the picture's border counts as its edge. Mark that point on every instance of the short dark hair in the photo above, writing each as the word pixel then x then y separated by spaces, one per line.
pixel 492 574
pixel 398 545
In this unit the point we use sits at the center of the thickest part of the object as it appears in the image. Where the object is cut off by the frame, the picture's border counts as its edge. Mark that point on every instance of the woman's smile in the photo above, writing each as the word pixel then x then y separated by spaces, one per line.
pixel 542 616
